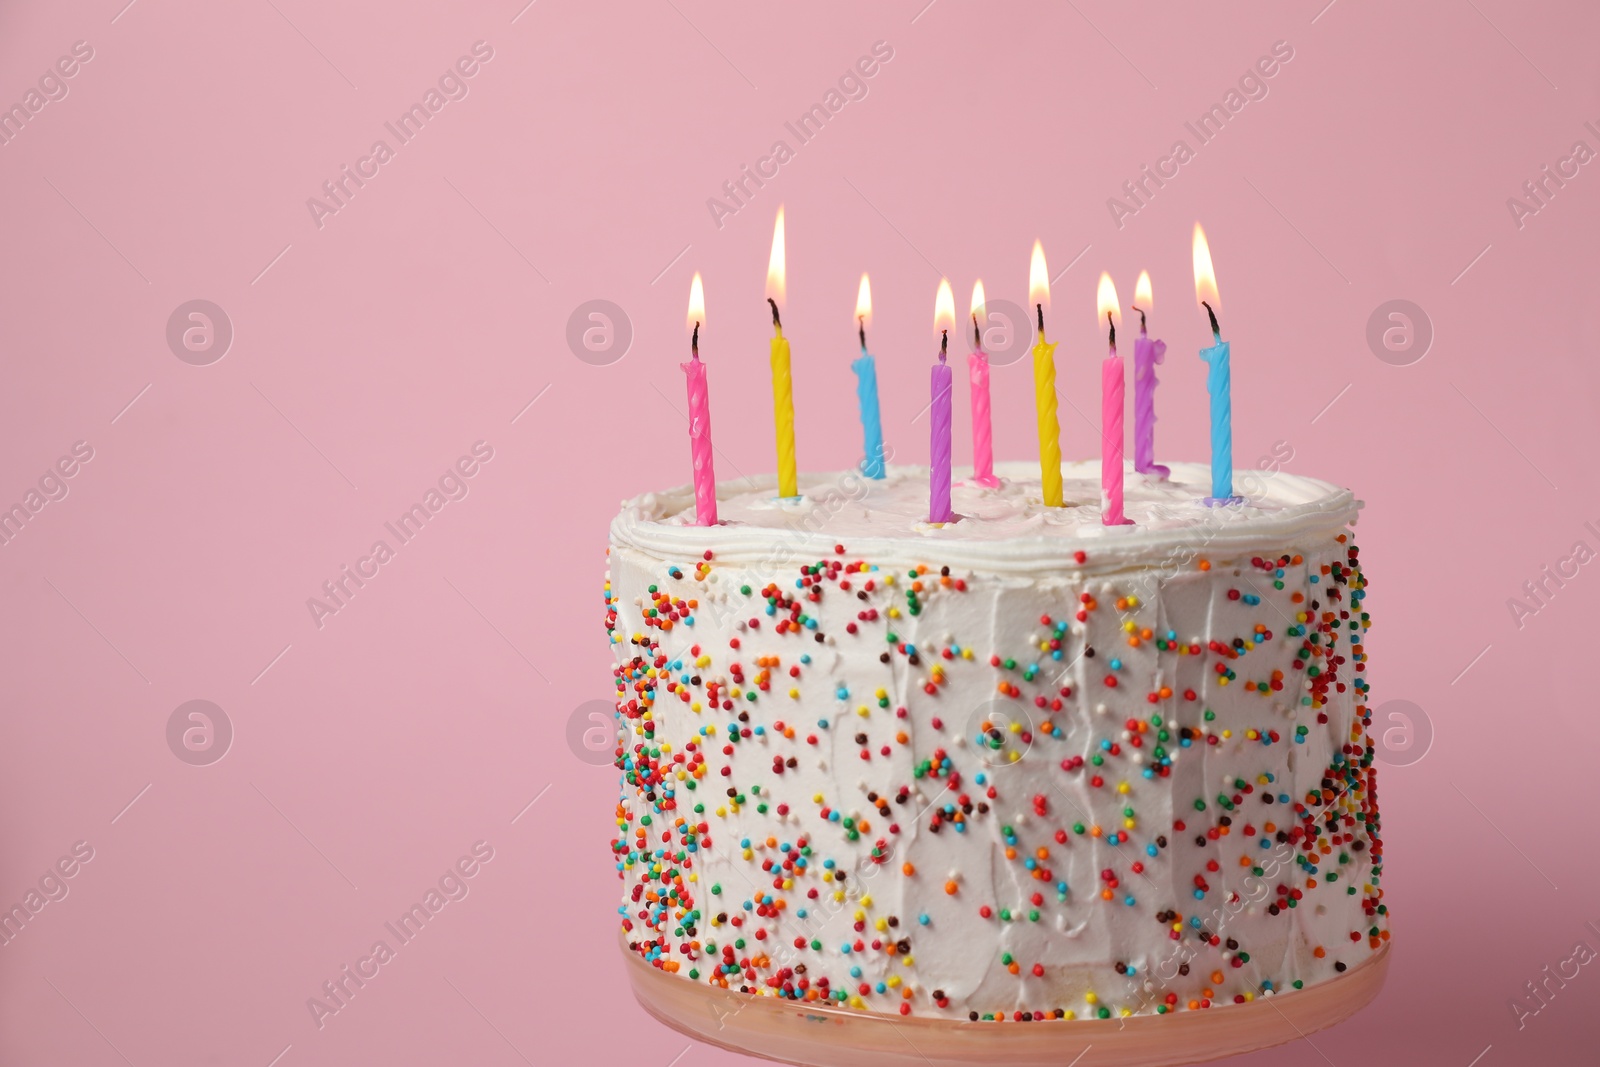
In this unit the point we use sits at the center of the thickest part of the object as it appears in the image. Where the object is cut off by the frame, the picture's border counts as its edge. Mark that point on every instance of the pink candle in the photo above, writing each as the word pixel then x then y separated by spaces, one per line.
pixel 978 377
pixel 941 386
pixel 1112 393
pixel 705 477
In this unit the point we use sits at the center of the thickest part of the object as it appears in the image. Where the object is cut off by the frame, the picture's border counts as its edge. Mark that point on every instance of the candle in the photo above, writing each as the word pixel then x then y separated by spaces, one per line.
pixel 1044 385
pixel 1219 377
pixel 782 383
pixel 705 478
pixel 1112 393
pixel 944 317
pixel 1147 355
pixel 866 369
pixel 978 377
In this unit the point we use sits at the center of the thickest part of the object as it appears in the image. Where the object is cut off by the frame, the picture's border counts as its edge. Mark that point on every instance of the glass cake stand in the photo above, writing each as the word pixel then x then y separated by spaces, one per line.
pixel 812 1035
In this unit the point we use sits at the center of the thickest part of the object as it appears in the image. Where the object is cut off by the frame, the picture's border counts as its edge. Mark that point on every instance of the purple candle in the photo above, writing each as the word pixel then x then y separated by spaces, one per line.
pixel 1147 354
pixel 941 388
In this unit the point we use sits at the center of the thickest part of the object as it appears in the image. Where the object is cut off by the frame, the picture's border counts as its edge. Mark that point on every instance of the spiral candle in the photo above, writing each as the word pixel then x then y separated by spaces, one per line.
pixel 783 410
pixel 1219 383
pixel 1044 399
pixel 1112 393
pixel 941 386
pixel 866 369
pixel 705 477
pixel 1147 355
pixel 982 421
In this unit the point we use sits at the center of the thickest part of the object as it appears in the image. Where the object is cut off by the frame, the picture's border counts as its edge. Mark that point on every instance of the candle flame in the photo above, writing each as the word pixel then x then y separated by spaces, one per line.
pixel 697 302
pixel 775 271
pixel 1142 297
pixel 977 298
pixel 1205 278
pixel 864 303
pixel 1038 277
pixel 1106 301
pixel 944 308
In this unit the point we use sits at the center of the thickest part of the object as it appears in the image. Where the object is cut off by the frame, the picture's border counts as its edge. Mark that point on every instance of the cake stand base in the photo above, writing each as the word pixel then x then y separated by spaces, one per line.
pixel 812 1035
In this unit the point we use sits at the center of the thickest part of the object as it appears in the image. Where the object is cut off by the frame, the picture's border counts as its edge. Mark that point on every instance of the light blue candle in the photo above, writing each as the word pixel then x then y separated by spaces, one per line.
pixel 866 369
pixel 1219 383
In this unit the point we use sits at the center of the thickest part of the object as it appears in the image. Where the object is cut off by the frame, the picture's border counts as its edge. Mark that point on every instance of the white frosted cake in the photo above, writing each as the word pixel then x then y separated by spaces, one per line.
pixel 1022 766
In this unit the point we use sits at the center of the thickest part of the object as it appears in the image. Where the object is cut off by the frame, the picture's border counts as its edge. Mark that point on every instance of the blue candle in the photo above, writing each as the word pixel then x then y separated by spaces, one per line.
pixel 1219 378
pixel 1219 383
pixel 866 369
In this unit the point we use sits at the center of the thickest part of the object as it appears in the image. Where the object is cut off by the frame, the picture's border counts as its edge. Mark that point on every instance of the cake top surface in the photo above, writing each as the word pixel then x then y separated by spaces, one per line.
pixel 1006 528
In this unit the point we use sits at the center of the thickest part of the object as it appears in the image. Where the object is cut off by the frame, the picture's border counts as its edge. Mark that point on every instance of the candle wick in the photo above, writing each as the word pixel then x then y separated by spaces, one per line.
pixel 944 343
pixel 862 320
pixel 775 320
pixel 694 341
pixel 977 334
pixel 1216 331
pixel 1112 324
pixel 1141 316
pixel 1041 318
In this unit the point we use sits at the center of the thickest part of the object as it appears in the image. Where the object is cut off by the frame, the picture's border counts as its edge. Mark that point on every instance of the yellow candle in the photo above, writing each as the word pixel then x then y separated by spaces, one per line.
pixel 782 382
pixel 1044 385
pixel 783 409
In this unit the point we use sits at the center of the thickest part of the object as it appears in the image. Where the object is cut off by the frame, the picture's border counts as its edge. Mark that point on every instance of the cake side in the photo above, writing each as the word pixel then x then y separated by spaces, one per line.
pixel 1072 774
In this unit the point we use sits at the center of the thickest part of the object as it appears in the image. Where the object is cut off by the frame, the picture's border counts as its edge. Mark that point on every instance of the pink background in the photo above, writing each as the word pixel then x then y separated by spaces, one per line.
pixel 370 353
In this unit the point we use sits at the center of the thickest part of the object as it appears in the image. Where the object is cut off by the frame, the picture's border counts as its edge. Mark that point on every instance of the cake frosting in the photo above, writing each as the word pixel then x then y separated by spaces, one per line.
pixel 1018 766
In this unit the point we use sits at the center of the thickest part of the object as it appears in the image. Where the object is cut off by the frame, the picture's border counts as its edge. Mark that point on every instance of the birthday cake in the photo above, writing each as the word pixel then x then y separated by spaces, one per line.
pixel 1022 766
